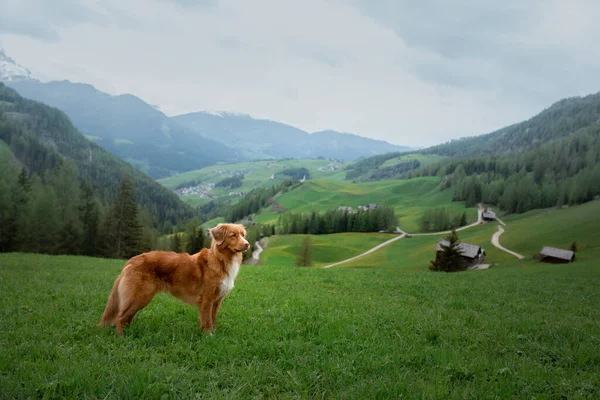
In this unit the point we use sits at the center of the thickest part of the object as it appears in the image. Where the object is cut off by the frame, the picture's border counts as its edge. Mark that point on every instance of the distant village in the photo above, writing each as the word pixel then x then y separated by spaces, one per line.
pixel 350 210
pixel 200 190
pixel 203 190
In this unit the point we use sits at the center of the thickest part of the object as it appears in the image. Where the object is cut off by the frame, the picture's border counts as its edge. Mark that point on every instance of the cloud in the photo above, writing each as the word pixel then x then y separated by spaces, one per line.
pixel 42 19
pixel 410 73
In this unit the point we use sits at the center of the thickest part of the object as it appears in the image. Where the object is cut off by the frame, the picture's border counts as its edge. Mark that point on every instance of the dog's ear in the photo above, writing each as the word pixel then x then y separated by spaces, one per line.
pixel 218 234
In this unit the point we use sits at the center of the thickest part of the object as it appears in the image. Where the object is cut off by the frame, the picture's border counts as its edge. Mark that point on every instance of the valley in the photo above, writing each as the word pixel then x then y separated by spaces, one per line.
pixel 341 293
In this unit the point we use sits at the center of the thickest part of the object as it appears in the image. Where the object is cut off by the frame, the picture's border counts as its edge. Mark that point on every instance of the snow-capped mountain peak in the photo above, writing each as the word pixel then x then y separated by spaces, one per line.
pixel 11 71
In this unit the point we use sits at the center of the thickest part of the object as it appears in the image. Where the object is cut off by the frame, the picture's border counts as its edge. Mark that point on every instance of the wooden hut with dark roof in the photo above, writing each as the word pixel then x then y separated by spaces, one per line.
pixel 556 256
pixel 488 215
pixel 470 253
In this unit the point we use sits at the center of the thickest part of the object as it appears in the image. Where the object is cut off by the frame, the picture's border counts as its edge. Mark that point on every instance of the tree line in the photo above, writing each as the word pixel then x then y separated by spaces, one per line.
pixel 563 171
pixel 252 202
pixel 40 137
pixel 232 182
pixel 440 219
pixel 381 218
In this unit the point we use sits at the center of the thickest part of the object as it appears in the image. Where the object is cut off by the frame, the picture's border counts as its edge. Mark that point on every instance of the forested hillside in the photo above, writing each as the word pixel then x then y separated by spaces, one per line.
pixel 559 120
pixel 555 173
pixel 58 181
pixel 130 128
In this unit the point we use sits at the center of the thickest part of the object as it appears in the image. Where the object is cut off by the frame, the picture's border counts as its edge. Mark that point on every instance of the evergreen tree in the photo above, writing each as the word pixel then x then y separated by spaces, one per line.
pixel 449 258
pixel 64 180
pixel 176 242
pixel 194 237
pixel 90 220
pixel 7 216
pixel 463 219
pixel 122 228
pixel 304 256
pixel 43 225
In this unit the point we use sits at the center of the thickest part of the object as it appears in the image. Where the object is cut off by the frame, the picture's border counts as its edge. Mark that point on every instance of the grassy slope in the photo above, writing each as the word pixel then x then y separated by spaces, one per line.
pixel 302 332
pixel 281 250
pixel 525 234
pixel 529 232
pixel 260 175
pixel 410 198
pixel 424 159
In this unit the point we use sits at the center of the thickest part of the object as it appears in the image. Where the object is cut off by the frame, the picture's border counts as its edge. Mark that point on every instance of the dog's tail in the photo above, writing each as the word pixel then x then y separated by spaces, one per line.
pixel 109 316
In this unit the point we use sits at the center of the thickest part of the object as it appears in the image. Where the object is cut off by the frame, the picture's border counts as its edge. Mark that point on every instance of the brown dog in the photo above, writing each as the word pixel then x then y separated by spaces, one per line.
pixel 202 279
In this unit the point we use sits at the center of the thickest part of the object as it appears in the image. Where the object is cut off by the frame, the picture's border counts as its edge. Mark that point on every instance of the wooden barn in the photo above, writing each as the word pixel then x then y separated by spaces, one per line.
pixel 556 256
pixel 471 254
pixel 488 215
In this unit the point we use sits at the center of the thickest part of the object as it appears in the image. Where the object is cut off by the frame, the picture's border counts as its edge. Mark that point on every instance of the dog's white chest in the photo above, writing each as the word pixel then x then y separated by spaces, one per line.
pixel 227 284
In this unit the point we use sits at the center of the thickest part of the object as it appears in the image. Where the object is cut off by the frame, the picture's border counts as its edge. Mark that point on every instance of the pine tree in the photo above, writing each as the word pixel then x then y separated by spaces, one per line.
pixel 7 217
pixel 194 237
pixel 463 219
pixel 122 228
pixel 449 258
pixel 304 257
pixel 176 242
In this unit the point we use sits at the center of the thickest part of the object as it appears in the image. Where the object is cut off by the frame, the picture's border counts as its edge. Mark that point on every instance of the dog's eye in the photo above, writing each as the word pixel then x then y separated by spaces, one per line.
pixel 233 235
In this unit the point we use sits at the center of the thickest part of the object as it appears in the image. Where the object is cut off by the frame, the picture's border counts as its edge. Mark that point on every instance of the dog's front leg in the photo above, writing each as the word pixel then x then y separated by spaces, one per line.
pixel 205 308
pixel 215 311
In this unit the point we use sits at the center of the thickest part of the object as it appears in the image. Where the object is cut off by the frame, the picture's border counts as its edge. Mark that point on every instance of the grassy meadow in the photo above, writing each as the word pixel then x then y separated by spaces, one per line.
pixel 290 332
pixel 383 326
pixel 326 249
pixel 259 173
pixel 424 159
pixel 410 198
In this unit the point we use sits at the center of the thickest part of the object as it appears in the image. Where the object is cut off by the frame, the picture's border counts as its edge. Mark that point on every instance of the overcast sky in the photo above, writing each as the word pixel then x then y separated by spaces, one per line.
pixel 410 72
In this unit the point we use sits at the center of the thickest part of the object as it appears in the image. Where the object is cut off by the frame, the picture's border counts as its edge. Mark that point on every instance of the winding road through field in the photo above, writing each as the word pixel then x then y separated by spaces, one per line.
pixel 367 252
pixel 404 234
pixel 496 243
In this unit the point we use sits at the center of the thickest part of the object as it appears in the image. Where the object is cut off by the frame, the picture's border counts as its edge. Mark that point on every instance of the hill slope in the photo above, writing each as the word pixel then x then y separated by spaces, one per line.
pixel 409 198
pixel 263 138
pixel 40 136
pixel 129 128
pixel 561 119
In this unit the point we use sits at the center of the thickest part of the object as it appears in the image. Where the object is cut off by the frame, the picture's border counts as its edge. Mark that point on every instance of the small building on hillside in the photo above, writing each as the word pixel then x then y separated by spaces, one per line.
pixel 488 215
pixel 471 254
pixel 556 256
pixel 345 209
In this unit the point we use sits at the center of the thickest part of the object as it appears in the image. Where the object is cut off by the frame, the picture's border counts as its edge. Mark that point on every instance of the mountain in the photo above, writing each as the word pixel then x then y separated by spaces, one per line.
pixel 260 138
pixel 11 71
pixel 559 120
pixel 40 137
pixel 129 128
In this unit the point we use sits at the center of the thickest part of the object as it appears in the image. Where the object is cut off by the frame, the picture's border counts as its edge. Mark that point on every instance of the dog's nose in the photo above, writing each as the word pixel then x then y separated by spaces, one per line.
pixel 246 245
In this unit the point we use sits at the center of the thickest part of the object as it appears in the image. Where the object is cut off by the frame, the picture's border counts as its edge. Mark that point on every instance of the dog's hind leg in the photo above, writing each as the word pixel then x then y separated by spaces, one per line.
pixel 134 299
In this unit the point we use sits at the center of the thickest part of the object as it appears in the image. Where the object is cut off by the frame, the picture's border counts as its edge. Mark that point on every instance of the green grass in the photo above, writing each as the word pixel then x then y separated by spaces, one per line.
pixel 288 332
pixel 282 250
pixel 416 252
pixel 410 198
pixel 424 159
pixel 213 222
pixel 528 233
pixel 259 175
